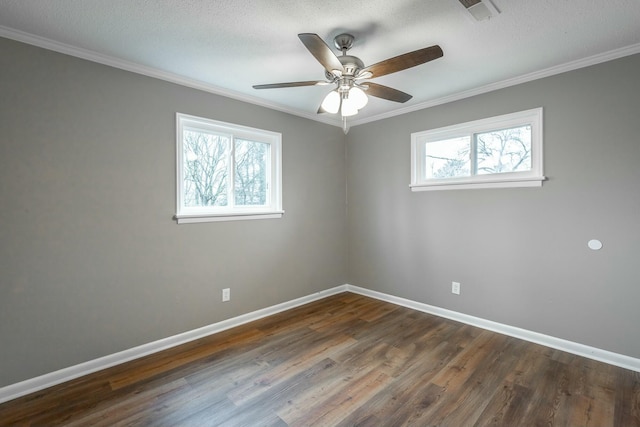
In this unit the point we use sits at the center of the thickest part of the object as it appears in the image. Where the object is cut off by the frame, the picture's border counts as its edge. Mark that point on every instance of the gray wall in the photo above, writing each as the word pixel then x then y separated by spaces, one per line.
pixel 91 261
pixel 520 254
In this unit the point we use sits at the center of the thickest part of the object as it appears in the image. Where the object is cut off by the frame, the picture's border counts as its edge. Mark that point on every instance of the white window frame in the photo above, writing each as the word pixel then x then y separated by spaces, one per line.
pixel 531 178
pixel 273 207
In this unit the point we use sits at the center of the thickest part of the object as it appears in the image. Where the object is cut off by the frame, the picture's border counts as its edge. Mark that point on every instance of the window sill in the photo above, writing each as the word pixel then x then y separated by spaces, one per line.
pixel 193 218
pixel 467 184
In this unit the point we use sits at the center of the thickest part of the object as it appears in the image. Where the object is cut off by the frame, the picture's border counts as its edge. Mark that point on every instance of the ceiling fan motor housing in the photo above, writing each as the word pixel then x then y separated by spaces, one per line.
pixel 350 64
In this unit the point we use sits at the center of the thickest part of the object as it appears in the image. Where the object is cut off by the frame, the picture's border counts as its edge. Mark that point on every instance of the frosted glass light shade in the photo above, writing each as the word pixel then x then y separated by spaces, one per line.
pixel 331 102
pixel 348 108
pixel 358 97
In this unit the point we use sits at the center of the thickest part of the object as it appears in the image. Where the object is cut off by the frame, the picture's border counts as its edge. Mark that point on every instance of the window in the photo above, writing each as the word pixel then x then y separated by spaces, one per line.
pixel 226 172
pixel 503 151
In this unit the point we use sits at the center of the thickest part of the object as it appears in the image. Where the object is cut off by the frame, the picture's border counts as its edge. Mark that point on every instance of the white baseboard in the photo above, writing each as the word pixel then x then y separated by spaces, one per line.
pixel 33 385
pixel 605 356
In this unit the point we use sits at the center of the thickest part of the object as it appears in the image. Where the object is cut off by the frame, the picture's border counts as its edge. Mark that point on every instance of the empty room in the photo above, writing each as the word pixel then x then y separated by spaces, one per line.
pixel 293 213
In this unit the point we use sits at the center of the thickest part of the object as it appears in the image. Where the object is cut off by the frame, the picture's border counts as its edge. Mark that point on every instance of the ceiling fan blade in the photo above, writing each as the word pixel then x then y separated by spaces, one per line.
pixel 386 92
pixel 321 52
pixel 292 84
pixel 402 62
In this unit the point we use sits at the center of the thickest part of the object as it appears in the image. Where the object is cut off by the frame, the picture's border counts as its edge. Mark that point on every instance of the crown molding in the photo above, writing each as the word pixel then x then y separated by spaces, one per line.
pixel 133 67
pixel 536 75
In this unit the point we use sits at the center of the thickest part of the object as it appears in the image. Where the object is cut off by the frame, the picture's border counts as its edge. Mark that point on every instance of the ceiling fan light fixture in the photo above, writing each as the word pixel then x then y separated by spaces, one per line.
pixel 358 97
pixel 348 108
pixel 331 102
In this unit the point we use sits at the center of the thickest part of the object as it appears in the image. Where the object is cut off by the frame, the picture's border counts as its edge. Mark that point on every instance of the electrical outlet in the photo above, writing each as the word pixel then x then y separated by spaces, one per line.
pixel 226 294
pixel 455 288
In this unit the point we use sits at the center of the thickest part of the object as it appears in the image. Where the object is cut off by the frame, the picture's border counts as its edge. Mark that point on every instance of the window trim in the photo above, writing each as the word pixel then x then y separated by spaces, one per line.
pixel 187 215
pixel 530 178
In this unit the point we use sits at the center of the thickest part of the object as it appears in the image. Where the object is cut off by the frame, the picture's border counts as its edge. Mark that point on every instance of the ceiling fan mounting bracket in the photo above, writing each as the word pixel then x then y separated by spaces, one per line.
pixel 343 42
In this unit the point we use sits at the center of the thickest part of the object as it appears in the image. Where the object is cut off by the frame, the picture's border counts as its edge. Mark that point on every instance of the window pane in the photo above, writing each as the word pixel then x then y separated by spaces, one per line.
pixel 448 158
pixel 507 150
pixel 206 168
pixel 251 173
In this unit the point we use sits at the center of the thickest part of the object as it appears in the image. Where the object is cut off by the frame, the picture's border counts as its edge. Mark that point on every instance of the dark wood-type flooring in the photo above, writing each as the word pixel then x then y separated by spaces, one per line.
pixel 346 360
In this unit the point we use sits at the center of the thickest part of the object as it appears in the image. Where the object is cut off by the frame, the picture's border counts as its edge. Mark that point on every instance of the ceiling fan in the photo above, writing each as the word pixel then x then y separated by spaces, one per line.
pixel 347 73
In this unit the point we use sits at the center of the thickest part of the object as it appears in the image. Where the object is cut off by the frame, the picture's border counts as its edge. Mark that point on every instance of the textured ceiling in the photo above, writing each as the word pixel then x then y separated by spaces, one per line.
pixel 226 46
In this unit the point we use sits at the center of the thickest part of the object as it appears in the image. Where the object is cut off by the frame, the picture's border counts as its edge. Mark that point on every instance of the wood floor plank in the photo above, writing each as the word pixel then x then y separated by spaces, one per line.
pixel 345 360
pixel 168 363
pixel 506 407
pixel 285 371
pixel 285 394
pixel 329 390
pixel 128 408
pixel 412 392
pixel 466 395
pixel 627 407
pixel 340 402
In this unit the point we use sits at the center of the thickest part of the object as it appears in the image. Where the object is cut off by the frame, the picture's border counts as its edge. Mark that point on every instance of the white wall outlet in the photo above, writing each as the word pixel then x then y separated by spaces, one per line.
pixel 455 288
pixel 226 294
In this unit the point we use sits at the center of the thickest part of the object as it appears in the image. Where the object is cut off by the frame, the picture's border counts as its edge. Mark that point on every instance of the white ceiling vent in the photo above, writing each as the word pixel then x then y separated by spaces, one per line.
pixel 480 9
